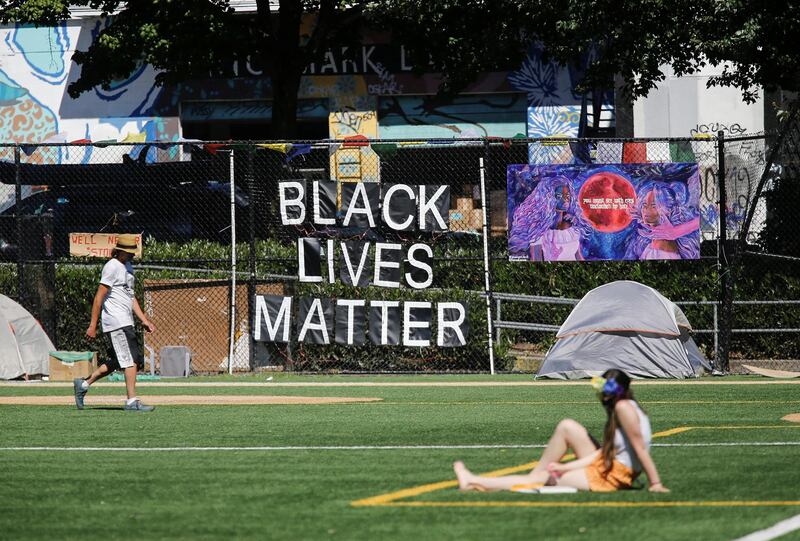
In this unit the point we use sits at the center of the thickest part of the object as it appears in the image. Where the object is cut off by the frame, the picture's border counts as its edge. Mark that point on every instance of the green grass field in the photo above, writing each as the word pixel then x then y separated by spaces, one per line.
pixel 362 471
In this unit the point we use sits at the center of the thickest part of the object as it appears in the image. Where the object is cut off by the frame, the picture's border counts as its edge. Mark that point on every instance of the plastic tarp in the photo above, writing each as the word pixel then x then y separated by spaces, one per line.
pixel 24 346
pixel 70 357
pixel 624 325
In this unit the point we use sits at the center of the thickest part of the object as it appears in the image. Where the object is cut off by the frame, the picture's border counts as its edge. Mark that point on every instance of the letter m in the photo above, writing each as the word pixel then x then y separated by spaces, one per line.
pixel 267 306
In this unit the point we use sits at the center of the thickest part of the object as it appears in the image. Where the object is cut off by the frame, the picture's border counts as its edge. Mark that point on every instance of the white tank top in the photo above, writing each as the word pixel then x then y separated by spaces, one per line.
pixel 560 244
pixel 656 253
pixel 622 447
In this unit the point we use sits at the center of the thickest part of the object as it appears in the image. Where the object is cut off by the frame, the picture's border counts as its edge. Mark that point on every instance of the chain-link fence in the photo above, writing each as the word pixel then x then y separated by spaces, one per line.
pixel 397 238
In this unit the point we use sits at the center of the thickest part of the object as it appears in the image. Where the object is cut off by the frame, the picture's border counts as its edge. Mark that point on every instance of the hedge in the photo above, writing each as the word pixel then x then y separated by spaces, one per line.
pixel 458 275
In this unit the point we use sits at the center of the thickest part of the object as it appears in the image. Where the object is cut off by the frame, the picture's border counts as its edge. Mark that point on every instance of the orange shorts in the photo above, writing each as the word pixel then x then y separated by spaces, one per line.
pixel 618 477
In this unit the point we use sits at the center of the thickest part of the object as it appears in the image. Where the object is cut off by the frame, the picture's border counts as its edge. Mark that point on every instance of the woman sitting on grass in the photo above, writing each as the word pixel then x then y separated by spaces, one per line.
pixel 612 466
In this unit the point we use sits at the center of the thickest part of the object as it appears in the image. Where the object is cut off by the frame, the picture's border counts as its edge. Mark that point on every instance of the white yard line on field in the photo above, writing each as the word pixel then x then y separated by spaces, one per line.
pixel 781 528
pixel 368 447
pixel 39 384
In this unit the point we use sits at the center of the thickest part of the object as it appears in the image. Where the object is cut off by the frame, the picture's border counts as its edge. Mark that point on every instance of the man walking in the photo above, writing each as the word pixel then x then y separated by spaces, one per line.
pixel 116 302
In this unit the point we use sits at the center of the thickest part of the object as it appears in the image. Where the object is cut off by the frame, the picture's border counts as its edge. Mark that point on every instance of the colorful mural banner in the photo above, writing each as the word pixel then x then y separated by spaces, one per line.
pixel 603 212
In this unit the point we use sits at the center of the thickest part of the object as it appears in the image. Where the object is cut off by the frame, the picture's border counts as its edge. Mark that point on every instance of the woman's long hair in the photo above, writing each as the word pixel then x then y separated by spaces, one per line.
pixel 671 199
pixel 609 399
pixel 537 213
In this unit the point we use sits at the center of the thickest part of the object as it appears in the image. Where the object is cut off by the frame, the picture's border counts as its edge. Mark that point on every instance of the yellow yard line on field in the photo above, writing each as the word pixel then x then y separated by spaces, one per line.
pixel 672 431
pixel 384 499
pixel 731 503
pixel 573 402
pixel 749 427
pixel 681 429
pixel 387 499
pixel 390 499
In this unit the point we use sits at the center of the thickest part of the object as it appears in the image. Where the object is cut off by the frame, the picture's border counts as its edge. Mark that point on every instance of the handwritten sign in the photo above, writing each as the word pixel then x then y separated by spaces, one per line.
pixel 97 244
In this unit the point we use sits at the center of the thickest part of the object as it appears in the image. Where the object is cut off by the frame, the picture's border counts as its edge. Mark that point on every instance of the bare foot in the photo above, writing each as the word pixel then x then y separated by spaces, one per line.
pixel 463 475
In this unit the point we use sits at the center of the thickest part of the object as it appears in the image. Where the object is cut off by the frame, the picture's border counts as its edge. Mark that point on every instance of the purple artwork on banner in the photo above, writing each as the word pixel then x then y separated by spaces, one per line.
pixel 603 212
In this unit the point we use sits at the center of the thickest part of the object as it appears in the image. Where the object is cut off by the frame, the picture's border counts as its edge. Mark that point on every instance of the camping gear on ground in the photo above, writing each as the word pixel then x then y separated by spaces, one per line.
pixel 68 365
pixel 628 326
pixel 24 346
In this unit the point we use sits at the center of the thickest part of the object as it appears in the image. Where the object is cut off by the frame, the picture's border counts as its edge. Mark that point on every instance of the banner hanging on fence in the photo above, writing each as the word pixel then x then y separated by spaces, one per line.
pixel 365 207
pixel 603 212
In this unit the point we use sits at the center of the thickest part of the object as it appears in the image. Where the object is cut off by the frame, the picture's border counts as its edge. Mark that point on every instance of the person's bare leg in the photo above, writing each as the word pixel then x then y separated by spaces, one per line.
pixel 101 372
pixel 574 478
pixel 469 481
pixel 130 381
pixel 568 434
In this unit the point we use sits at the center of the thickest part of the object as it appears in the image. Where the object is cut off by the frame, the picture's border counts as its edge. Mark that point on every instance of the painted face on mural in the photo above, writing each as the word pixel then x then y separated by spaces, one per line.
pixel 563 198
pixel 649 210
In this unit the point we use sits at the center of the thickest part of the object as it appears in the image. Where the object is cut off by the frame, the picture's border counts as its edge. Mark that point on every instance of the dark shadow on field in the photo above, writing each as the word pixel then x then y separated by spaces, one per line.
pixel 106 408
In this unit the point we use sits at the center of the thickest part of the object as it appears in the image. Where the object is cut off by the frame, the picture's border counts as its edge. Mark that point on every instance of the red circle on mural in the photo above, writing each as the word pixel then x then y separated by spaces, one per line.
pixel 605 199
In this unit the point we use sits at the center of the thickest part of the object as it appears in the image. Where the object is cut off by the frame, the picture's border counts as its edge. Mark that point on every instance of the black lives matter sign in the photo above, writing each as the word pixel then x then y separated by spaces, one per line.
pixel 364 206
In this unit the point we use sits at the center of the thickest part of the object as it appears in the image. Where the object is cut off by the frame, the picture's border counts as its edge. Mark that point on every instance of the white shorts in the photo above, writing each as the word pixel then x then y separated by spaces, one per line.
pixel 125 348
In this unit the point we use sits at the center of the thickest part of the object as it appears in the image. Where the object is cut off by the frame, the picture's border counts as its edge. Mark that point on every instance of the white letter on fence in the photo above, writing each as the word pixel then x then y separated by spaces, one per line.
pixel 408 325
pixel 420 265
pixel 354 276
pixel 302 260
pixel 455 325
pixel 350 304
pixel 331 266
pixel 314 311
pixel 319 220
pixel 387 198
pixel 430 205
pixel 379 248
pixel 384 306
pixel 294 202
pixel 272 329
pixel 360 191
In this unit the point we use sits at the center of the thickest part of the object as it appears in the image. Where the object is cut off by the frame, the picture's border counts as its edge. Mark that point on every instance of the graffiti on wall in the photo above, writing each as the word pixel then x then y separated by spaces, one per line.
pixel 35 106
pixel 497 115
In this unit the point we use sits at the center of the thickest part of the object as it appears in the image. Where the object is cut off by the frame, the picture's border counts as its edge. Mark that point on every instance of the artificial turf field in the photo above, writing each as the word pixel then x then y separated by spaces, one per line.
pixel 382 470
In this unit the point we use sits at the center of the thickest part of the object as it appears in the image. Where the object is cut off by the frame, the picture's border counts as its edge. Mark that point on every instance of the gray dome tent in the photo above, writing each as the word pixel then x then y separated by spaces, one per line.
pixel 624 325
pixel 24 346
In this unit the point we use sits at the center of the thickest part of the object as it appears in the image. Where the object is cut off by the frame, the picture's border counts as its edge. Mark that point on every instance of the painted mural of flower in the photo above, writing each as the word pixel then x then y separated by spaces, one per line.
pixel 545 83
pixel 551 122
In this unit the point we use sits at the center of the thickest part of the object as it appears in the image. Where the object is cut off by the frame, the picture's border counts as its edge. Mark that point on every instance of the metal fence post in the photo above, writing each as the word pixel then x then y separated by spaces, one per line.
pixel 499 316
pixel 486 259
pixel 232 312
pixel 723 262
pixel 18 213
pixel 251 282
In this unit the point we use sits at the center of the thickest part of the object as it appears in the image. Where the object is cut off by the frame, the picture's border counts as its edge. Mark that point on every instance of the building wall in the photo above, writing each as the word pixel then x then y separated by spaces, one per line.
pixel 35 107
pixel 685 107
pixel 375 96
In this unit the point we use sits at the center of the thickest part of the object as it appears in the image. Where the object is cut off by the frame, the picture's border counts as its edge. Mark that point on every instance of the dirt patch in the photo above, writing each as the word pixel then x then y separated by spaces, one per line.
pixel 771 373
pixel 206 400
pixel 793 417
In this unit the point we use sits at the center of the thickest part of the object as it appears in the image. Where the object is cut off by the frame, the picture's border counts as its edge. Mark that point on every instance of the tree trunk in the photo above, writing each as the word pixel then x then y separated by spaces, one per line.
pixel 283 59
pixel 285 87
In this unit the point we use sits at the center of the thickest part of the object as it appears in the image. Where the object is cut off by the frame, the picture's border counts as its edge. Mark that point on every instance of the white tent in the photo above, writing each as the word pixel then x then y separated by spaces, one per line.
pixel 624 325
pixel 24 346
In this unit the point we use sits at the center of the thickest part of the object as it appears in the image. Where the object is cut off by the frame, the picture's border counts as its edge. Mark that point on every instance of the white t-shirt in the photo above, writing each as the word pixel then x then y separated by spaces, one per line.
pixel 118 304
